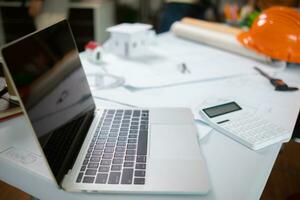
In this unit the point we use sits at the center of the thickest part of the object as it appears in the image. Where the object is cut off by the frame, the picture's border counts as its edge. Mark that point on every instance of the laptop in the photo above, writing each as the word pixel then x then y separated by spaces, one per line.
pixel 95 149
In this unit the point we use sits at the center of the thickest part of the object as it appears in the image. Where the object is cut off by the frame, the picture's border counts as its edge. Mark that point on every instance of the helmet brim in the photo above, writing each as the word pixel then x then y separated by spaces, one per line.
pixel 247 41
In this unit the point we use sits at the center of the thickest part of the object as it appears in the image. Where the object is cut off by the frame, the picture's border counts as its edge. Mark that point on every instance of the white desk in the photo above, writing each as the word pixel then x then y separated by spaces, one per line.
pixel 235 171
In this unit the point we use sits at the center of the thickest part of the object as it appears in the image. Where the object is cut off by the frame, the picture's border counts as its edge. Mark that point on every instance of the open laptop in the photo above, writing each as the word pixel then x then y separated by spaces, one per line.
pixel 87 149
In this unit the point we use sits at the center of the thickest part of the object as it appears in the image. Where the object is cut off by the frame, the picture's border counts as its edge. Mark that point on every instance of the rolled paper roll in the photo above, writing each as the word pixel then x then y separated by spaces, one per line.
pixel 214 26
pixel 214 35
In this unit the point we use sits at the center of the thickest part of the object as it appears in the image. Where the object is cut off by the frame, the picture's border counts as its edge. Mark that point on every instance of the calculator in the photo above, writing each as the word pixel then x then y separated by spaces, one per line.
pixel 243 125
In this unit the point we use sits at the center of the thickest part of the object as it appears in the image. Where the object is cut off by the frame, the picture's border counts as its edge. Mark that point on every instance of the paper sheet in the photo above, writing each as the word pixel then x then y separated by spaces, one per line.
pixel 161 65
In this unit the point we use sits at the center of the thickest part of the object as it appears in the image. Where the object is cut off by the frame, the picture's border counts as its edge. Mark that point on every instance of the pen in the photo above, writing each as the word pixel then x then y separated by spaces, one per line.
pixel 184 69
pixel 279 84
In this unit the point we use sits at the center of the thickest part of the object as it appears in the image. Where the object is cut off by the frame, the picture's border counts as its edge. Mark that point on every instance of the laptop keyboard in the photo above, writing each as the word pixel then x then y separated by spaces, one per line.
pixel 118 151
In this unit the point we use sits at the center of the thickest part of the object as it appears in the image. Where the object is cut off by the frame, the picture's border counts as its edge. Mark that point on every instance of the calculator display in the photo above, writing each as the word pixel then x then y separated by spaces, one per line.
pixel 222 109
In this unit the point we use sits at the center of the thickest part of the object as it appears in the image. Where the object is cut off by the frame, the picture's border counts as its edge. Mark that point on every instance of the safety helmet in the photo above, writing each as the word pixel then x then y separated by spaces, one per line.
pixel 275 33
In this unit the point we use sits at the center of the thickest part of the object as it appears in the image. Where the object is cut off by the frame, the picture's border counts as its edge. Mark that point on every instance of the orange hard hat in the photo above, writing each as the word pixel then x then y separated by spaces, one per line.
pixel 275 33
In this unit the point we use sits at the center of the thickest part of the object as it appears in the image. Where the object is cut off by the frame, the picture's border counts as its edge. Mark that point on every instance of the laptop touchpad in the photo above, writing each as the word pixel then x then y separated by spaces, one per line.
pixel 175 161
pixel 173 142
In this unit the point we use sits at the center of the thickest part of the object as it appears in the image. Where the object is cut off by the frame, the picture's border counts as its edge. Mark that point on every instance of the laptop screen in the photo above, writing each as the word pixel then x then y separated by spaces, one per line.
pixel 49 77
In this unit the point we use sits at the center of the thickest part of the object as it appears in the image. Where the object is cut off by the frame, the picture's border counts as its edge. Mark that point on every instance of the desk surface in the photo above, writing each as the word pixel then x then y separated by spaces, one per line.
pixel 235 171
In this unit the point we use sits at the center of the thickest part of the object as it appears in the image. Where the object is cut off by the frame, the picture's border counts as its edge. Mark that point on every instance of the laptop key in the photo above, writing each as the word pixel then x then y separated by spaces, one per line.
pixel 129 158
pixel 125 124
pixel 104 132
pixel 93 165
pixel 113 135
pixel 143 131
pixel 132 140
pixel 139 181
pixel 136 112
pixel 131 146
pixel 115 126
pixel 130 152
pixel 116 167
pixel 141 159
pixel 95 159
pixel 115 122
pixel 127 176
pixel 110 144
pixel 139 173
pixel 101 178
pixel 134 127
pixel 142 144
pixel 119 155
pixel 132 132
pixel 109 150
pixel 107 156
pixel 117 161
pixel 85 162
pixel 140 166
pixel 114 130
pixel 111 112
pixel 123 133
pixel 144 127
pixel 91 172
pixel 128 164
pixel 99 147
pixel 128 112
pixel 79 178
pixel 104 169
pixel 109 115
pixel 101 141
pixel 135 123
pixel 122 138
pixel 106 123
pixel 102 137
pixel 104 129
pixel 114 178
pixel 97 153
pixel 120 149
pixel 87 156
pixel 121 144
pixel 88 179
pixel 132 136
pixel 105 162
pixel 111 139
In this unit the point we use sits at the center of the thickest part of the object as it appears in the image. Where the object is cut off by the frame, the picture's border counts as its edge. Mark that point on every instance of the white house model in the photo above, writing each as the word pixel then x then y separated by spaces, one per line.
pixel 129 40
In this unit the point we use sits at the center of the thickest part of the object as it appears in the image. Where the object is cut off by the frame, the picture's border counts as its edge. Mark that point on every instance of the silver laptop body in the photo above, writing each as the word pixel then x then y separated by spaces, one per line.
pixel 151 150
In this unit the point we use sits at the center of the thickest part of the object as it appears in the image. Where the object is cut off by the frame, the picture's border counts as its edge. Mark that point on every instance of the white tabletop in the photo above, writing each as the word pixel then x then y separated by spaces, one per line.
pixel 235 171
